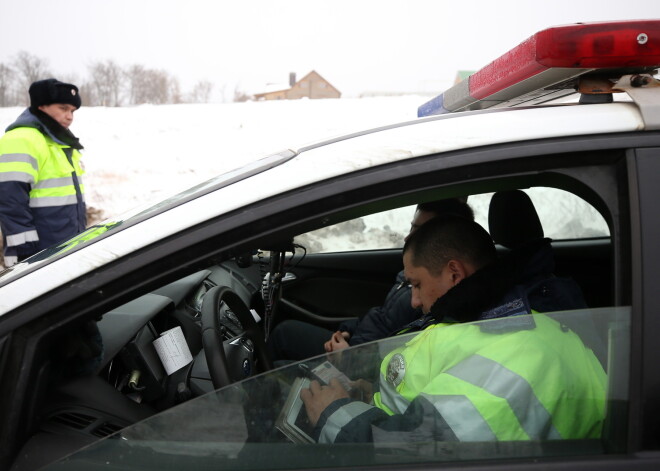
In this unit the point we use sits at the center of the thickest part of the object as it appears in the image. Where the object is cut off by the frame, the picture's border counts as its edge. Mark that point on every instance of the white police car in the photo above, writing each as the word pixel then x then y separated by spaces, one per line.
pixel 103 363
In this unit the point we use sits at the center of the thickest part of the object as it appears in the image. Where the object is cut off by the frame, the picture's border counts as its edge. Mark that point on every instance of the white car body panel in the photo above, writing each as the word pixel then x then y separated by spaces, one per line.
pixel 423 137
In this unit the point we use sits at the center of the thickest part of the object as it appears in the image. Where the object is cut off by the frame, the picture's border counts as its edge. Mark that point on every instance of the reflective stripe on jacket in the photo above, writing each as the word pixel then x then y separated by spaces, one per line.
pixel 467 383
pixel 41 192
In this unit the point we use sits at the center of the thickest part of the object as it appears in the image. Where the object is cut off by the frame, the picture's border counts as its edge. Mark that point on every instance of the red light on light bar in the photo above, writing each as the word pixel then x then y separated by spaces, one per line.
pixel 581 46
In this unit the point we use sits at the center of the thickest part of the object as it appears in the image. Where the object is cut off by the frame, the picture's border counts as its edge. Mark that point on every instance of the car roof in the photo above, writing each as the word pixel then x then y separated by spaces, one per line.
pixel 308 165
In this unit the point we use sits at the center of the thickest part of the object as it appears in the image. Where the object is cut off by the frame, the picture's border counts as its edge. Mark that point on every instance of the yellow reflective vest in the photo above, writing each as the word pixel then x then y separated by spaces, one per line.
pixel 41 191
pixel 466 382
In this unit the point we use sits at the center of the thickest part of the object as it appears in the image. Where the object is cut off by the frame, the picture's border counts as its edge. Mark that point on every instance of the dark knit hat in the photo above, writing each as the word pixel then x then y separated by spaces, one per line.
pixel 46 92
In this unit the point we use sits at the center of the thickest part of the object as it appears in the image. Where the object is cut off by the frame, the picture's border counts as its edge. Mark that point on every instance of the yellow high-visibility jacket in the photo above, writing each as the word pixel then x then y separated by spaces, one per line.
pixel 41 190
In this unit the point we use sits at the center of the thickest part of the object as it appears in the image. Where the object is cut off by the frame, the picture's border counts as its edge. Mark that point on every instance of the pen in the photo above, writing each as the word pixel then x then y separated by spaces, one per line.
pixel 306 370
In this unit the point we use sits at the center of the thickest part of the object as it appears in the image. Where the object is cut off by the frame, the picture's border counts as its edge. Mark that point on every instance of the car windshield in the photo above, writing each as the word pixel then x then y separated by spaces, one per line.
pixel 261 422
pixel 141 213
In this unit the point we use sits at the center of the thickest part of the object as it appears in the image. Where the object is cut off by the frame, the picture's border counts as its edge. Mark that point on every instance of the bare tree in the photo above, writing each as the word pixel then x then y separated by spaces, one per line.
pixel 88 94
pixel 150 86
pixel 7 95
pixel 158 91
pixel 105 83
pixel 29 68
pixel 115 76
pixel 201 92
pixel 174 90
pixel 241 96
pixel 69 77
pixel 134 77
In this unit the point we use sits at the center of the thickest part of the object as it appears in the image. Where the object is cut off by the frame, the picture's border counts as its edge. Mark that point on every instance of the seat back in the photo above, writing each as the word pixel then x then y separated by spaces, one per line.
pixel 512 219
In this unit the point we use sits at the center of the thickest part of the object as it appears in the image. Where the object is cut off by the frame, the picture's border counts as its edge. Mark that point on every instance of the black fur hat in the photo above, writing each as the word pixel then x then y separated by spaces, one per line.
pixel 46 92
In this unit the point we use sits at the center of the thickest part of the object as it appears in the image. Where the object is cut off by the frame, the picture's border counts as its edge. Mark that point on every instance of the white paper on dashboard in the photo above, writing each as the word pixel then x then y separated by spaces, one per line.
pixel 173 350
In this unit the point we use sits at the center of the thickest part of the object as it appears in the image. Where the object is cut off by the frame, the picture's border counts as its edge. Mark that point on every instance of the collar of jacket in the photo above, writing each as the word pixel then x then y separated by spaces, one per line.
pixel 486 293
pixel 37 119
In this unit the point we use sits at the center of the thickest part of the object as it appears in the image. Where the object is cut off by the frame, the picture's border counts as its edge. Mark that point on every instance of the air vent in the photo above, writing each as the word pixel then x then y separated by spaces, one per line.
pixel 73 420
pixel 106 429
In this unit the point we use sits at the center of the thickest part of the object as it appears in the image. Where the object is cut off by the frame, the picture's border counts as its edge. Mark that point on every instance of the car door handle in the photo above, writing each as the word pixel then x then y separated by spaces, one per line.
pixel 288 277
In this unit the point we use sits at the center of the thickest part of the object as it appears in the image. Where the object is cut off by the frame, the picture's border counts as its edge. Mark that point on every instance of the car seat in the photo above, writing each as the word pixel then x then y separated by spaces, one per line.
pixel 513 222
pixel 512 219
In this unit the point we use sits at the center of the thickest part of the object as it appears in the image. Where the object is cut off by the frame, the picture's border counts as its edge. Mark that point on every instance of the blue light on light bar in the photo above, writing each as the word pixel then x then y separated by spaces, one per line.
pixel 432 107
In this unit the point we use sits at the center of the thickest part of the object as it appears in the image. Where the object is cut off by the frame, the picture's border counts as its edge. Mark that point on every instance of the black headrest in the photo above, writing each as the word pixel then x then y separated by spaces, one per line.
pixel 512 219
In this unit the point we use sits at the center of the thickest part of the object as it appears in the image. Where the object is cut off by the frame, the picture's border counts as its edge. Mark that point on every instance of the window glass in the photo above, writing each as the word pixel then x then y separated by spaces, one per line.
pixel 383 230
pixel 561 364
pixel 562 214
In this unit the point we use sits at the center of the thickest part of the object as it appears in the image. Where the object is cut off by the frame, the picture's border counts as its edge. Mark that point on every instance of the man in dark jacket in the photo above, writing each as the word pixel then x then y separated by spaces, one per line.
pixel 295 340
pixel 41 191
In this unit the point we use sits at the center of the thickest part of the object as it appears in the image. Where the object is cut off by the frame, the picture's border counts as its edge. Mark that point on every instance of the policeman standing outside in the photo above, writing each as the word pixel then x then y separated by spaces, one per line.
pixel 41 190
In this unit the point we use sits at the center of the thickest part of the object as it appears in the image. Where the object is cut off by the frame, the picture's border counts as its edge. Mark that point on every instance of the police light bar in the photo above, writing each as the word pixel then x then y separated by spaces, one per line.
pixel 547 65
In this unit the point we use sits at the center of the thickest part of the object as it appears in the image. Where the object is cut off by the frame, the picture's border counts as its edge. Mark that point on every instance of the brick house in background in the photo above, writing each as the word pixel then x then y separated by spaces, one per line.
pixel 311 85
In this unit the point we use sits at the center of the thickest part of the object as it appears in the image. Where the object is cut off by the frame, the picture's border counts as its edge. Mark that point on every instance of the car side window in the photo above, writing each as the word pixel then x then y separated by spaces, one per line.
pixel 384 230
pixel 564 216
pixel 567 216
pixel 534 371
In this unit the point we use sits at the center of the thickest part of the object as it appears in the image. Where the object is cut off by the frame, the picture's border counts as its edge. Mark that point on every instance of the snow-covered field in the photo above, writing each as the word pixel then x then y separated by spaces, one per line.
pixel 136 155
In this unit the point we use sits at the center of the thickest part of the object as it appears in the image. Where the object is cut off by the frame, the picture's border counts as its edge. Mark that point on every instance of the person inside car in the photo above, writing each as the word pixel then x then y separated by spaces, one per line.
pixel 294 340
pixel 526 377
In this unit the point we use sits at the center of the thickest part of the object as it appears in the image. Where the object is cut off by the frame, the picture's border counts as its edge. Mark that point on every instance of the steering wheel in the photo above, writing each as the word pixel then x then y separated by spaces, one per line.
pixel 251 339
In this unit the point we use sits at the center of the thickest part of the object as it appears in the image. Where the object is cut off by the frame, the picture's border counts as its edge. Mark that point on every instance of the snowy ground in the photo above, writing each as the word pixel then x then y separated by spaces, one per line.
pixel 136 155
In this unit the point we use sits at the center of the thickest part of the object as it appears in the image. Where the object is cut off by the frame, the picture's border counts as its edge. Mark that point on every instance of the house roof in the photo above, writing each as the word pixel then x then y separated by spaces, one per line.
pixel 275 87
pixel 283 87
pixel 313 72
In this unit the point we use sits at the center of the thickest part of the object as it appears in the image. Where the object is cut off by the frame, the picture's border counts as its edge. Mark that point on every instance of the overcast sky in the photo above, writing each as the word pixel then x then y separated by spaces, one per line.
pixel 358 45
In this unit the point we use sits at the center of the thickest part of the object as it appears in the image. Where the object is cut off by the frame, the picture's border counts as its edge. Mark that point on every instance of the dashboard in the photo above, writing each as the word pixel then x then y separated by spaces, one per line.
pixel 129 332
pixel 130 382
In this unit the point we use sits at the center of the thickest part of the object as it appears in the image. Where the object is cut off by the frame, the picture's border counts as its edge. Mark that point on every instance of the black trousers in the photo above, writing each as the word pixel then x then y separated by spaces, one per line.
pixel 293 340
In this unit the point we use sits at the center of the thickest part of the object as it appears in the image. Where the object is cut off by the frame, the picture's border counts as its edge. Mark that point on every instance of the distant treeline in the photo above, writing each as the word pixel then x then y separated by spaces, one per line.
pixel 107 84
